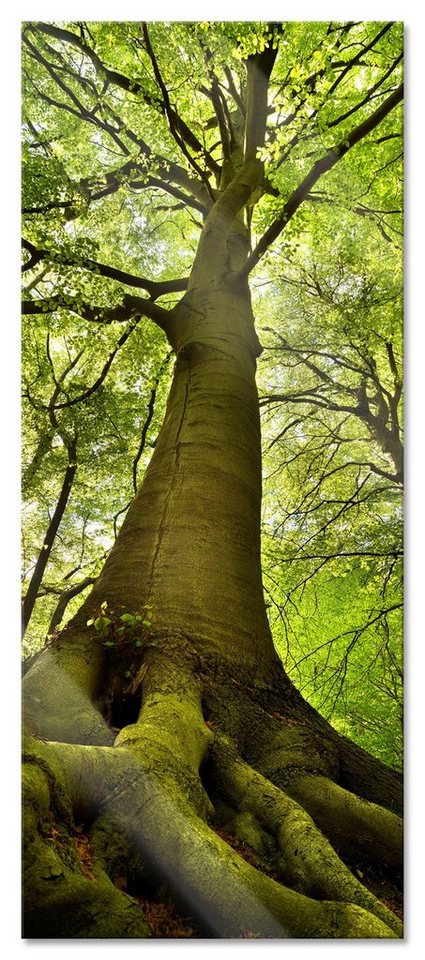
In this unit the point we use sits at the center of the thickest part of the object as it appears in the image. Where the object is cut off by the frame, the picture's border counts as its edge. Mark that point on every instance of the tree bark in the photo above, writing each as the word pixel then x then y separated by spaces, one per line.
pixel 190 544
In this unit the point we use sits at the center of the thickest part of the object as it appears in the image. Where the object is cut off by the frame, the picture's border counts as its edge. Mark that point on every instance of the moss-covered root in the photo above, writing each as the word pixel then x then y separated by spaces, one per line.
pixel 155 798
pixel 148 785
pixel 368 777
pixel 65 894
pixel 349 820
pixel 226 895
pixel 170 733
pixel 58 692
pixel 309 861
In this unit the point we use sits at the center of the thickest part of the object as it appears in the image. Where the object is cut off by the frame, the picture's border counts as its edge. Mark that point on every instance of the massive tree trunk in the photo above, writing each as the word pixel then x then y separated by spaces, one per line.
pixel 180 761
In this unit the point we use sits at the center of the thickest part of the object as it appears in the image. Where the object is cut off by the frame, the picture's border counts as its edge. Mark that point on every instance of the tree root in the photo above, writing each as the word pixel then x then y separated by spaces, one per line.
pixel 349 820
pixel 58 693
pixel 146 792
pixel 60 900
pixel 368 777
pixel 143 799
pixel 309 861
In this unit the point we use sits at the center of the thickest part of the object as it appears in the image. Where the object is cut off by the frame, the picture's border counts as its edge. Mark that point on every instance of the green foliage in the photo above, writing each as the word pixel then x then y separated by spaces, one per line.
pixel 123 630
pixel 332 533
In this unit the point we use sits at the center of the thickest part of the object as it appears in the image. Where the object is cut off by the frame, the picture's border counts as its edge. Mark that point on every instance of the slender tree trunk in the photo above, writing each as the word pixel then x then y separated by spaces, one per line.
pixel 49 539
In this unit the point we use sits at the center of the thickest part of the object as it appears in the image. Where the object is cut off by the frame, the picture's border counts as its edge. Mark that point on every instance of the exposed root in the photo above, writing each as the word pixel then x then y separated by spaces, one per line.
pixel 60 898
pixel 309 861
pixel 349 820
pixel 146 812
pixel 58 693
pixel 225 894
pixel 368 777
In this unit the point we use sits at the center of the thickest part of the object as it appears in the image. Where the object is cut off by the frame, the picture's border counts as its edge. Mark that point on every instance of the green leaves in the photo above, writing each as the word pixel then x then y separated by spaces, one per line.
pixel 331 539
pixel 102 624
pixel 124 630
pixel 134 621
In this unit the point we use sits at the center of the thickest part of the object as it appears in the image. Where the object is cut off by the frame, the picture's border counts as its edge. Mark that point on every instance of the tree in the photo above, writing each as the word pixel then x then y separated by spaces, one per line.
pixel 167 753
pixel 334 463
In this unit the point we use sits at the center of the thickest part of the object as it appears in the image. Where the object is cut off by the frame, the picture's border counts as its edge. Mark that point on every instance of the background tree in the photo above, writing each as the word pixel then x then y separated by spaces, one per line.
pixel 161 166
pixel 333 449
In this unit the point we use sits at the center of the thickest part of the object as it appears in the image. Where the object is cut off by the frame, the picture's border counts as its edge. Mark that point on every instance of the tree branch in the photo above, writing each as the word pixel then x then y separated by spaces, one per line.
pixel 173 118
pixel 356 59
pixel 369 95
pixel 131 86
pixel 64 598
pixel 148 420
pixel 168 169
pixel 259 67
pixel 155 288
pixel 105 370
pixel 322 166
pixel 130 307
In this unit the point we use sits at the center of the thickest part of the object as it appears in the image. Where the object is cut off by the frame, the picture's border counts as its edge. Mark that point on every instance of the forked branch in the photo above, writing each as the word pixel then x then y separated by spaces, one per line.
pixel 319 168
